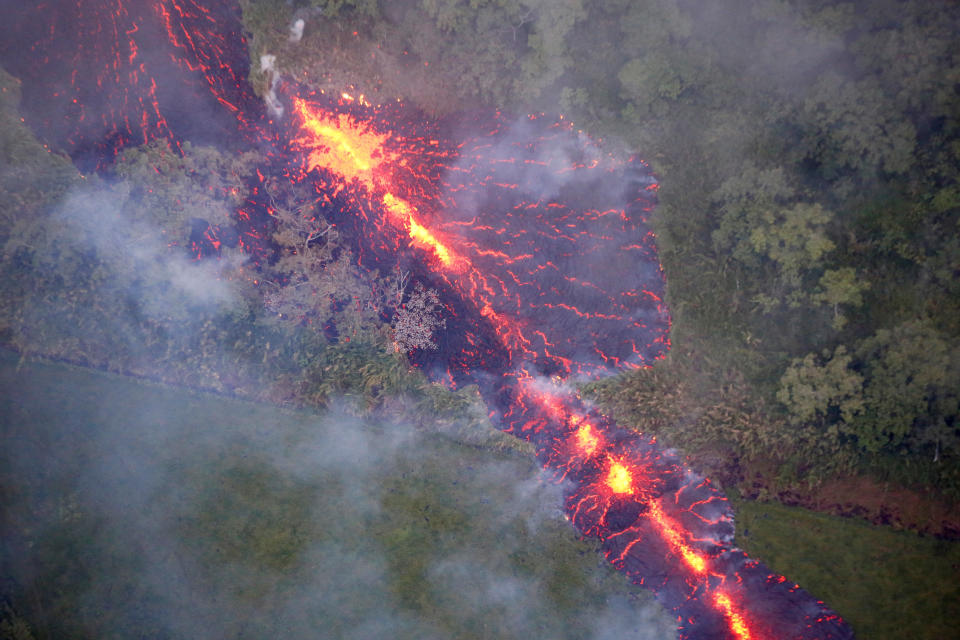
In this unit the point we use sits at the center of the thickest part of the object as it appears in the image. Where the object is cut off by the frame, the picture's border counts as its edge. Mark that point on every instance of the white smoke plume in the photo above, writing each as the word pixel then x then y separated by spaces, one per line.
pixel 221 519
pixel 268 65
pixel 155 276
pixel 296 30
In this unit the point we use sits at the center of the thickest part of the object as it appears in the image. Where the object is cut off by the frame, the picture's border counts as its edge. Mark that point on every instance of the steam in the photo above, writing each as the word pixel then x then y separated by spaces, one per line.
pixel 268 66
pixel 160 280
pixel 542 167
pixel 578 252
pixel 137 245
pixel 620 617
pixel 296 30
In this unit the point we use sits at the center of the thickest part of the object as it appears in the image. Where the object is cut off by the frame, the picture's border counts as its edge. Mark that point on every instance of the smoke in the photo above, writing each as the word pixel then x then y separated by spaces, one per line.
pixel 110 287
pixel 793 46
pixel 296 30
pixel 216 518
pixel 157 277
pixel 268 64
pixel 574 256
pixel 620 617
pixel 523 152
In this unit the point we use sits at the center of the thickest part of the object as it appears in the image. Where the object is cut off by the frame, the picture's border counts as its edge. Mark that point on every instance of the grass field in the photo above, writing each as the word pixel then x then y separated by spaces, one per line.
pixel 888 584
pixel 137 510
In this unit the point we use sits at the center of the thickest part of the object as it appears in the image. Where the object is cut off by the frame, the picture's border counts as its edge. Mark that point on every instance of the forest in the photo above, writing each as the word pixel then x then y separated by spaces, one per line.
pixel 807 155
pixel 808 226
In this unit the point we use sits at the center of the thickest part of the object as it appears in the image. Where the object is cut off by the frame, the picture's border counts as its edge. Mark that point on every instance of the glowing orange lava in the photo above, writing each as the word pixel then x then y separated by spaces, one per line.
pixel 342 145
pixel 354 151
pixel 737 624
pixel 619 478
pixel 671 534
pixel 588 441
pixel 420 235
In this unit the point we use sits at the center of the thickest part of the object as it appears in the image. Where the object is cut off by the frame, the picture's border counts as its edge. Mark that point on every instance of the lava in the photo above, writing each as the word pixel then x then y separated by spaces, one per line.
pixel 537 241
pixel 420 236
pixel 619 478
pixel 737 624
pixel 587 440
pixel 106 74
pixel 351 149
pixel 340 144
pixel 672 534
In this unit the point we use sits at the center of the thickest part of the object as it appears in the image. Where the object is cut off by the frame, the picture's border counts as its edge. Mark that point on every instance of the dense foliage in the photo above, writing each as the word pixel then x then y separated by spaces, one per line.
pixel 808 221
pixel 808 218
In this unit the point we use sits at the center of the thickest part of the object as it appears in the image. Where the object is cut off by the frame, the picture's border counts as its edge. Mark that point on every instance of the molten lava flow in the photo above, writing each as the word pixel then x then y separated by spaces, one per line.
pixel 587 440
pixel 340 144
pixel 619 479
pixel 737 624
pixel 535 282
pixel 355 152
pixel 672 534
pixel 419 235
pixel 106 74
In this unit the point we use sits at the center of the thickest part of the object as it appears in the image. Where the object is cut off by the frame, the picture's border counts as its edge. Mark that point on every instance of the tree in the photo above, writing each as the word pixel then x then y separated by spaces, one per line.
pixel 781 241
pixel 822 389
pixel 415 322
pixel 548 56
pixel 794 238
pixel 915 58
pixel 898 391
pixel 912 390
pixel 174 187
pixel 854 126
pixel 743 201
pixel 654 82
pixel 315 279
pixel 840 287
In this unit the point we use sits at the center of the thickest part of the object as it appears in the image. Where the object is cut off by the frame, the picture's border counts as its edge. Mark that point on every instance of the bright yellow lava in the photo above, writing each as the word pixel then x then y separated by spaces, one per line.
pixel 619 478
pixel 343 145
pixel 353 150
pixel 737 624
pixel 694 560
pixel 420 235
pixel 587 442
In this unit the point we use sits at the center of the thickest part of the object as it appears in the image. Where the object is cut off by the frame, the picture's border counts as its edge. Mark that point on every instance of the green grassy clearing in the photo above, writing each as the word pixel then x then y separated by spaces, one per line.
pixel 138 510
pixel 888 584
